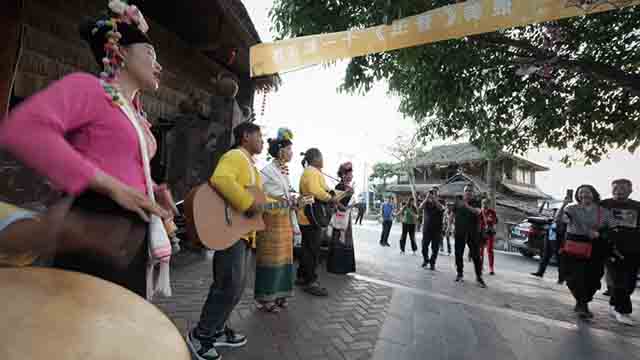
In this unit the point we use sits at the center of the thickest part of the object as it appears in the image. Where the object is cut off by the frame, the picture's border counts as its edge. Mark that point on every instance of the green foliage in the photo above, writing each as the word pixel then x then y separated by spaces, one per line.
pixel 383 171
pixel 572 83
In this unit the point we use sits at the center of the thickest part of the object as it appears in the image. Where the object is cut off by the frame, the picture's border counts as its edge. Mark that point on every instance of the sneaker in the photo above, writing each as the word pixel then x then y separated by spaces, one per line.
pixel 624 319
pixel 433 267
pixel 481 283
pixel 228 337
pixel 424 264
pixel 202 349
pixel 536 274
pixel 316 290
pixel 459 278
pixel 492 273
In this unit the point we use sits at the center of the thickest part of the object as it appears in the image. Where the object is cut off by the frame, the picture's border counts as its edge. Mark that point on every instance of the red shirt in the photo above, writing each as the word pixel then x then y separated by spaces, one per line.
pixel 488 217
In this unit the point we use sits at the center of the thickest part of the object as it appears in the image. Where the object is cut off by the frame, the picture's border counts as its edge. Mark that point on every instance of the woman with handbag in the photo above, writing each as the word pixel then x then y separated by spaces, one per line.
pixel 90 137
pixel 488 222
pixel 584 250
pixel 341 256
pixel 274 246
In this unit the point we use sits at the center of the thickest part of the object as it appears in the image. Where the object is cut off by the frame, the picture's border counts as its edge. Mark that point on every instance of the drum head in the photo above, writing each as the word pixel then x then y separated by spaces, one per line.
pixel 59 315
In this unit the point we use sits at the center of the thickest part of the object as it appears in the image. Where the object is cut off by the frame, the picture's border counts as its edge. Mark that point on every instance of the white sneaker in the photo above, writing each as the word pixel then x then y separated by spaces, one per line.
pixel 621 318
pixel 624 319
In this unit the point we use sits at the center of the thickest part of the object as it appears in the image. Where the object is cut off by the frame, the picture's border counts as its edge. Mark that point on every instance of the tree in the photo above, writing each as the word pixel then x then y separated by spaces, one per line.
pixel 381 172
pixel 405 150
pixel 574 82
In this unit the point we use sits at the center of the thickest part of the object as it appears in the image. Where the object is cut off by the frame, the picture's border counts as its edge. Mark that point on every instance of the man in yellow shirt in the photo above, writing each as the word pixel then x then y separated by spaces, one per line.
pixel 234 173
pixel 311 183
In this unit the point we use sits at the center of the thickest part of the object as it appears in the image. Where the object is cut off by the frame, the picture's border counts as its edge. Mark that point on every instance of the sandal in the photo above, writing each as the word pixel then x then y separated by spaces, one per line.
pixel 269 307
pixel 283 303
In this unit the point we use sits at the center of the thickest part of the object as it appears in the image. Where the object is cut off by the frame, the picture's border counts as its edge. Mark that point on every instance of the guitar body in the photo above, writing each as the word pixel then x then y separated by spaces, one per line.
pixel 212 222
pixel 319 213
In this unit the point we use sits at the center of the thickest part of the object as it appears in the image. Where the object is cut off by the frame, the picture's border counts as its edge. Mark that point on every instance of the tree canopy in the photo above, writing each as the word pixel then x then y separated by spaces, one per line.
pixel 571 83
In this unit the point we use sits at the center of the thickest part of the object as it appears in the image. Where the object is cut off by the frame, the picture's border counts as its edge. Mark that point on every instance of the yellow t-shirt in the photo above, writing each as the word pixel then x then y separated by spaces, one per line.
pixel 232 177
pixel 312 183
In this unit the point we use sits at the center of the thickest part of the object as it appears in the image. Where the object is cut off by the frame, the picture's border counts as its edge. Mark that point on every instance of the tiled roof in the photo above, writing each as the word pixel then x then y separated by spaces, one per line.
pixel 462 153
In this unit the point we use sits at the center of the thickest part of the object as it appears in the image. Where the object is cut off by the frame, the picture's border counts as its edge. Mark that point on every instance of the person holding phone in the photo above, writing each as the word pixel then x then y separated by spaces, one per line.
pixel 624 262
pixel 585 249
pixel 467 233
pixel 433 209
pixel 409 214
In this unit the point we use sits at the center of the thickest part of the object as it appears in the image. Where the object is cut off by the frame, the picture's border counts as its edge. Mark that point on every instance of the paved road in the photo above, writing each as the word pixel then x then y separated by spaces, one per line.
pixel 517 317
pixel 394 309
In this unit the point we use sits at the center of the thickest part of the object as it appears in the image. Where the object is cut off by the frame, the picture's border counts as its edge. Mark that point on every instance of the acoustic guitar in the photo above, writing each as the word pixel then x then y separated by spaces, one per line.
pixel 214 223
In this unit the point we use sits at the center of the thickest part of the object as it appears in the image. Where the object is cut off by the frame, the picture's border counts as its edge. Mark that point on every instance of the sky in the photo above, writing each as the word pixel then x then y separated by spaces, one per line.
pixel 360 128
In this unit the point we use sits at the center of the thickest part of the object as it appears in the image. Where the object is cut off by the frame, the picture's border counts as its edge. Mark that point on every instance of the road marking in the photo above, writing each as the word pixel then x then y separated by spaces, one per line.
pixel 609 335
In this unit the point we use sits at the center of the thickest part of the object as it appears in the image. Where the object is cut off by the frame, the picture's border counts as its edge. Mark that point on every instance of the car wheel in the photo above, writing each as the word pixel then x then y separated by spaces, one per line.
pixel 526 253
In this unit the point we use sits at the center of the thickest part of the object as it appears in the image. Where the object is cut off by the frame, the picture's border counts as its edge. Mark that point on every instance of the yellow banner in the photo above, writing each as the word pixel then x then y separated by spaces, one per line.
pixel 449 22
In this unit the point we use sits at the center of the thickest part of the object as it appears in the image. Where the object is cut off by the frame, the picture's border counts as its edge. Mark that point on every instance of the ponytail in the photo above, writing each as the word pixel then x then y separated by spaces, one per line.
pixel 309 156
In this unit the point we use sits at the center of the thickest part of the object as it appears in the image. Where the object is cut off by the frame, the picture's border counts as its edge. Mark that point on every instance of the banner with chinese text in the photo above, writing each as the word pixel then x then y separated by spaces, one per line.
pixel 449 22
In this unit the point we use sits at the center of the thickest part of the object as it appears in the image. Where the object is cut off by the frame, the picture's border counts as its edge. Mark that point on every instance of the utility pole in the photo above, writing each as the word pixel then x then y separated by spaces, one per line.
pixel 365 187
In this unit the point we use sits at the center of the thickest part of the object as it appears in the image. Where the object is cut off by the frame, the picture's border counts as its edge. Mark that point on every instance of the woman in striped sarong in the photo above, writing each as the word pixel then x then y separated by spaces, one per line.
pixel 274 246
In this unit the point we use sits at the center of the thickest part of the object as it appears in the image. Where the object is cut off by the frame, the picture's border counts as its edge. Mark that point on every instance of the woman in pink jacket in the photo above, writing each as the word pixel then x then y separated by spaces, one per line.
pixel 86 135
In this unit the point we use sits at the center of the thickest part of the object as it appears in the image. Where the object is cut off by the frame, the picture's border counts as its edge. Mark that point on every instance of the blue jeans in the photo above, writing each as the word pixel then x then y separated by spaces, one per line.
pixel 230 268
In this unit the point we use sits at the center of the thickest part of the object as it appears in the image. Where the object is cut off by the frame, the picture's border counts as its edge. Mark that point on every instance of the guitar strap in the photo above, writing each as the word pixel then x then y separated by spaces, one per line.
pixel 252 168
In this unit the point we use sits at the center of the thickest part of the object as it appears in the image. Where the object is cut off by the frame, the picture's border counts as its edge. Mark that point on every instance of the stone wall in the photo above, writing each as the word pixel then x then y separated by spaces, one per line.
pixel 52 48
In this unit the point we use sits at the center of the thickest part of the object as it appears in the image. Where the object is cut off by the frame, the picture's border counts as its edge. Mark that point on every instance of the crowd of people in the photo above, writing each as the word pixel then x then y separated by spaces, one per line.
pixel 590 237
pixel 471 223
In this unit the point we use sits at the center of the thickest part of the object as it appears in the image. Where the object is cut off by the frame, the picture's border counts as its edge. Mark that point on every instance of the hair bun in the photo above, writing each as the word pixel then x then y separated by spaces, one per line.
pixel 85 29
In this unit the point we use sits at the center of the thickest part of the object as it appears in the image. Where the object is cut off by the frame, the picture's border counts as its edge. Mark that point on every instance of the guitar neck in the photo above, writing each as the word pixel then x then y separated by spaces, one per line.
pixel 274 206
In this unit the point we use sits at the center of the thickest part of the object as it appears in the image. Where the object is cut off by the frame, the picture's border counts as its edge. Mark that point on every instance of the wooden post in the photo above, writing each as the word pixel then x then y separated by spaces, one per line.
pixel 10 49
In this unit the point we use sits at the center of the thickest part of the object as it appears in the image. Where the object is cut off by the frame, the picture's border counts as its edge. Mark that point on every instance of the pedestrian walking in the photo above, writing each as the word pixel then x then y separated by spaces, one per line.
pixel 409 214
pixel 585 250
pixel 624 237
pixel 488 223
pixel 433 215
pixel 467 210
pixel 388 211
pixel 449 227
pixel 551 249
pixel 362 209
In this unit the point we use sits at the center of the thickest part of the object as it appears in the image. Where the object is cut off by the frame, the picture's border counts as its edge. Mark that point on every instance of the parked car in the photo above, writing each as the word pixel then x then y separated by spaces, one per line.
pixel 528 236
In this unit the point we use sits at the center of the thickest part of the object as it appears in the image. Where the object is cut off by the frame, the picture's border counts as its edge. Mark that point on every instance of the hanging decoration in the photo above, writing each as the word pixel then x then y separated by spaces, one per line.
pixel 449 22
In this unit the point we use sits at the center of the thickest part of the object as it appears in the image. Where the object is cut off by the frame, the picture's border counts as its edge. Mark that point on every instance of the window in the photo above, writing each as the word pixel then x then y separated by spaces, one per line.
pixel 523 176
pixel 508 172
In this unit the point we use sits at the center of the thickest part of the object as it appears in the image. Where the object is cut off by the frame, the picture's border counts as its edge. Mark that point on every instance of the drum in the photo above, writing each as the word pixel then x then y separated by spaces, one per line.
pixel 59 315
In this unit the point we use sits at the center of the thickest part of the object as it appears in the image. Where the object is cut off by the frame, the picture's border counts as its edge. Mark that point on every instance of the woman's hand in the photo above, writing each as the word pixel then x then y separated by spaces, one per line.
pixel 165 199
pixel 126 196
pixel 594 234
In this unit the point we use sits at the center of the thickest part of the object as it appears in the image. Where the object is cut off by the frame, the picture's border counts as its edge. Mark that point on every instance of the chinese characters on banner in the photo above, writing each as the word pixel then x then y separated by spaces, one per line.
pixel 449 22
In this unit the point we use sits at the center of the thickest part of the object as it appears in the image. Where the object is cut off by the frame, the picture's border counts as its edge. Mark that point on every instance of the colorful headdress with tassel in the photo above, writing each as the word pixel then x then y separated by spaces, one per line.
pixel 282 140
pixel 121 25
